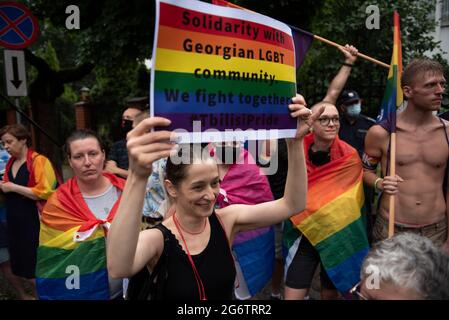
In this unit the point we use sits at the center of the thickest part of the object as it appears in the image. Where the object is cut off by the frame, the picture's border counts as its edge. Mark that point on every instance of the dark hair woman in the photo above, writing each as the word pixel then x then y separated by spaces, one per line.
pixel 74 225
pixel 28 181
pixel 199 265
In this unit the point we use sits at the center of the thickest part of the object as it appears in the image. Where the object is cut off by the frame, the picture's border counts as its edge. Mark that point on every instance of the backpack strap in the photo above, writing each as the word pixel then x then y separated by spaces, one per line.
pixel 446 171
pixel 445 130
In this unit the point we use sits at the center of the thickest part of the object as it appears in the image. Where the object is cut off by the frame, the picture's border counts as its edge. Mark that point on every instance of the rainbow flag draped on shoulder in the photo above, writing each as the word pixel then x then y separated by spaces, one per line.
pixel 71 258
pixel 393 96
pixel 254 249
pixel 332 220
pixel 42 179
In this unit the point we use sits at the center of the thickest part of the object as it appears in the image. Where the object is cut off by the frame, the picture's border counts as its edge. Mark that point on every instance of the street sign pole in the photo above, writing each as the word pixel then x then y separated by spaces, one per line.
pixel 18 117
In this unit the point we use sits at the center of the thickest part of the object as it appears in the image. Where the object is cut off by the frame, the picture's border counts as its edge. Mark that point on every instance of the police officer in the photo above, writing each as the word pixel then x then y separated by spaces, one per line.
pixel 353 124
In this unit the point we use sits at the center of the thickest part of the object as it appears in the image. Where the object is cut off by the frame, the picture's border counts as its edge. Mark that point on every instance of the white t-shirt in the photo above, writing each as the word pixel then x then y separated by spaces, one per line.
pixel 101 205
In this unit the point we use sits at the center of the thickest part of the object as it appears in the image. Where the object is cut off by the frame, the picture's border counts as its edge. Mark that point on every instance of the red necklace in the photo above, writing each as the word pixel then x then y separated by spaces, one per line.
pixel 199 283
pixel 186 231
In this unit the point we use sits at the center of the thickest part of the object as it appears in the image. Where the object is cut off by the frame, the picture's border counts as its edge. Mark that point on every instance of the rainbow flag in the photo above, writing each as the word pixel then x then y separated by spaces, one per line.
pixel 393 96
pixel 254 250
pixel 223 67
pixel 302 39
pixel 332 220
pixel 42 178
pixel 71 257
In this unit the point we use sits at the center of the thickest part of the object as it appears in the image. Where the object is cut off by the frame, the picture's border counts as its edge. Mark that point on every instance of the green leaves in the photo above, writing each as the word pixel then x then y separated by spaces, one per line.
pixel 343 21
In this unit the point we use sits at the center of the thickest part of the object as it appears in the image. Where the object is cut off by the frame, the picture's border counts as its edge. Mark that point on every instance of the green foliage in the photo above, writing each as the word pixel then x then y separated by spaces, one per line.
pixel 117 35
pixel 294 12
pixel 47 52
pixel 110 31
pixel 343 21
pixel 109 93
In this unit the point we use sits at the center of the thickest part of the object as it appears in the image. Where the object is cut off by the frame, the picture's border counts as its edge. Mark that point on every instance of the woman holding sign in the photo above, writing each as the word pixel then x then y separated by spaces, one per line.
pixel 190 250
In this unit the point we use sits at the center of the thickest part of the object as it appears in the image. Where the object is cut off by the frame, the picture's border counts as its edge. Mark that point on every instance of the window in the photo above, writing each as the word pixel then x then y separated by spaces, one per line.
pixel 445 13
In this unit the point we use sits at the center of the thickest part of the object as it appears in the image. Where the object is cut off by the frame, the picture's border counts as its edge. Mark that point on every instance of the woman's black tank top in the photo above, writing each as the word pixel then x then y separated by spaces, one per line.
pixel 215 265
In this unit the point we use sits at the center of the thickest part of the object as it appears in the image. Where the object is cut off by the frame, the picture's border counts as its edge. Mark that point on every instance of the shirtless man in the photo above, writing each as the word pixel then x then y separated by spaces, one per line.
pixel 421 156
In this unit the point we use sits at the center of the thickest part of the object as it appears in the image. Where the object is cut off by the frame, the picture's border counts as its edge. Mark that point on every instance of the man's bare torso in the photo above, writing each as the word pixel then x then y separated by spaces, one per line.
pixel 421 156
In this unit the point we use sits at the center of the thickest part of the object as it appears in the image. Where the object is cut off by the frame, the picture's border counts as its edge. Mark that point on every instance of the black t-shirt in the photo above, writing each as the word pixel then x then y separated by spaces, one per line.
pixel 354 134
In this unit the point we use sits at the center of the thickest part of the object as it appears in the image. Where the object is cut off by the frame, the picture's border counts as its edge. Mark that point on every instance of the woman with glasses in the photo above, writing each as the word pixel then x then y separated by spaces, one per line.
pixel 331 230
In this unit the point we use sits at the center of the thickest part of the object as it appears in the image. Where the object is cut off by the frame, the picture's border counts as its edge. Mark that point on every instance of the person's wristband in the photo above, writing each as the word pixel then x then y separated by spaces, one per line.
pixel 375 184
pixel 350 65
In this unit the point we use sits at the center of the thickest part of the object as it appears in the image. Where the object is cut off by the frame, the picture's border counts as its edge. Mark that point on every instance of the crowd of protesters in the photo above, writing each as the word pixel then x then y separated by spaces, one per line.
pixel 213 227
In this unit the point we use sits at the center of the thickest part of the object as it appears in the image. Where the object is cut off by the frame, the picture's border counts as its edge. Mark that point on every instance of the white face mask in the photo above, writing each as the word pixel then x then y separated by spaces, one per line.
pixel 354 110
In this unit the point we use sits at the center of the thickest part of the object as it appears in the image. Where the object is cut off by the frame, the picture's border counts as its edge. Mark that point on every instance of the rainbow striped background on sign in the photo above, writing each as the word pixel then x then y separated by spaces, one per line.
pixel 174 68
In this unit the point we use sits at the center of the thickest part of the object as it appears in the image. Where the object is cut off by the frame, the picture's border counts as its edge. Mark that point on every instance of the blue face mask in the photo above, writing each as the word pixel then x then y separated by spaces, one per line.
pixel 354 110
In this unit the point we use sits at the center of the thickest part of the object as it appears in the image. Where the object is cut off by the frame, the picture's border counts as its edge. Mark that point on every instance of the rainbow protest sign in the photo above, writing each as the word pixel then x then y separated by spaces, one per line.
pixel 222 73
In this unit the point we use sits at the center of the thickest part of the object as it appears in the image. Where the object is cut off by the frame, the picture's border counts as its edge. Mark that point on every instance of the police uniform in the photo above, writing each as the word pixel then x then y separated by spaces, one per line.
pixel 354 134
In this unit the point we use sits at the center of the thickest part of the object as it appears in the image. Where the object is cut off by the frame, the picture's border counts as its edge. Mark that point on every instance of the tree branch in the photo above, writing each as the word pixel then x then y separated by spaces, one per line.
pixel 40 64
pixel 74 74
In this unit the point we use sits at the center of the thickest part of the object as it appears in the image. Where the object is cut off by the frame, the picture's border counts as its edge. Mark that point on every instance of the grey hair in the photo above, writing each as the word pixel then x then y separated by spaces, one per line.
pixel 413 262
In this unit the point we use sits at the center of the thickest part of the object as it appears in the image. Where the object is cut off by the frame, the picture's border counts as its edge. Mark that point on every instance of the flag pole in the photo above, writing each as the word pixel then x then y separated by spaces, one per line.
pixel 361 55
pixel 399 100
pixel 393 174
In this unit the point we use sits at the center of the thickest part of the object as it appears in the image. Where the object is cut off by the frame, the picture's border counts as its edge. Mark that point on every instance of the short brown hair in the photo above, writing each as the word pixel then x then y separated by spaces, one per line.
pixel 420 66
pixel 18 131
pixel 81 134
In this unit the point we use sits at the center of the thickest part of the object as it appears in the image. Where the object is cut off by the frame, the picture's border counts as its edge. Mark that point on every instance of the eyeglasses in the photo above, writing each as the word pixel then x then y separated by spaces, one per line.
pixel 325 121
pixel 355 291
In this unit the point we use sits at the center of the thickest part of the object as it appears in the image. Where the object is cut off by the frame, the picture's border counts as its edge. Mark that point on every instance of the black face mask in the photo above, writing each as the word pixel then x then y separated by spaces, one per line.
pixel 319 158
pixel 127 126
pixel 228 154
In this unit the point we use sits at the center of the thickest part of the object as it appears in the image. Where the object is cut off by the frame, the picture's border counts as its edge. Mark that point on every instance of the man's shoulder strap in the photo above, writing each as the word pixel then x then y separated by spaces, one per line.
pixel 445 130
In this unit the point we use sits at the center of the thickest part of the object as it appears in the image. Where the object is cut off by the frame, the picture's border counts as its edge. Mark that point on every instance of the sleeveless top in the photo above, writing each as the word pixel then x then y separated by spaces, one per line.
pixel 215 265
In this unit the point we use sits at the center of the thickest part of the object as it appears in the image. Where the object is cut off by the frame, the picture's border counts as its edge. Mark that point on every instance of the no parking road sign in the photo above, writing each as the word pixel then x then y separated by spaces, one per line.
pixel 18 26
